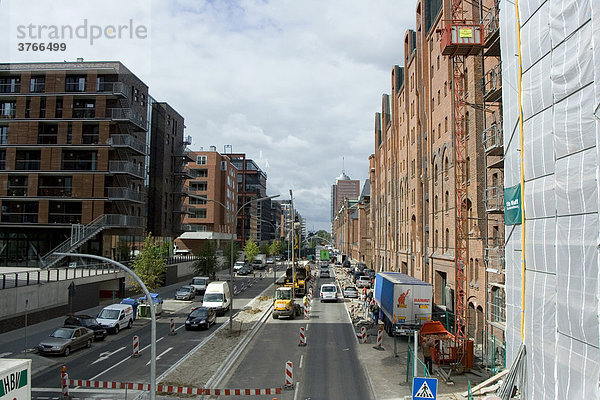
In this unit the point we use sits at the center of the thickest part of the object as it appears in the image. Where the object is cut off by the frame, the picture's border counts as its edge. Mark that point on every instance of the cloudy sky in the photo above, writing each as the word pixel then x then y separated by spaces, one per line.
pixel 293 84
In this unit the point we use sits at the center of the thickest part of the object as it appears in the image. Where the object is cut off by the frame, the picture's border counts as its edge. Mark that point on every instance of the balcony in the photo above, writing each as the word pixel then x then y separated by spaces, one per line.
pixel 187 140
pixel 19 218
pixel 124 194
pixel 16 190
pixel 494 258
pixel 11 87
pixel 27 165
pixel 79 165
pixel 492 139
pixel 183 174
pixel 491 28
pixel 492 84
pixel 119 141
pixel 84 112
pixel 54 191
pixel 126 167
pixel 493 198
pixel 115 88
pixel 126 114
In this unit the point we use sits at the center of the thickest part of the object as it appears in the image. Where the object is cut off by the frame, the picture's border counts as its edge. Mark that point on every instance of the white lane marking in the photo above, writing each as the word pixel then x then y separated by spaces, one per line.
pixel 161 354
pixel 296 390
pixel 106 354
pixel 5 355
pixel 306 329
pixel 301 359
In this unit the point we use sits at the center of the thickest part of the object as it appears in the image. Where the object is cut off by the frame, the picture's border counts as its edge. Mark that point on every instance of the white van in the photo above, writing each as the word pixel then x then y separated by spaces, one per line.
pixel 218 297
pixel 199 284
pixel 116 317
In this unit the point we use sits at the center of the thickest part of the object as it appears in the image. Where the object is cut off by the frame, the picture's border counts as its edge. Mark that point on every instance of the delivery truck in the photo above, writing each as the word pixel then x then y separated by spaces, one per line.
pixel 15 379
pixel 406 302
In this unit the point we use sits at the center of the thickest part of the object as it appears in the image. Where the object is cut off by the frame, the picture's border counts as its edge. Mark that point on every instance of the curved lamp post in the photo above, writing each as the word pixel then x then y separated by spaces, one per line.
pixel 233 221
pixel 152 313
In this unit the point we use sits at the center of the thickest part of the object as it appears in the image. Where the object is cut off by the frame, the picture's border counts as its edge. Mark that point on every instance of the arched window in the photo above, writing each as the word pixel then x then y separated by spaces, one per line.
pixel 435 205
pixel 435 173
pixel 447 201
pixel 447 239
pixel 446 166
pixel 435 240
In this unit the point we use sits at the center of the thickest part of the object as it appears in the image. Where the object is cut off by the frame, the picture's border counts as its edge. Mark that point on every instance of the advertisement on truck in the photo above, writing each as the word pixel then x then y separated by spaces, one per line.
pixel 15 379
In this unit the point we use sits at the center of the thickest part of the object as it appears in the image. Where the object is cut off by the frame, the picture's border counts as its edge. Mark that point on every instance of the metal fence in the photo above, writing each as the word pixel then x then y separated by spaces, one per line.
pixel 37 277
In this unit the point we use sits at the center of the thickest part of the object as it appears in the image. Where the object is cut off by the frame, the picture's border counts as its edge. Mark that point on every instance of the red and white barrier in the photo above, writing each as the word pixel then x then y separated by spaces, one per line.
pixel 302 337
pixel 289 375
pixel 136 347
pixel 169 388
pixel 235 290
pixel 379 336
pixel 64 378
pixel 249 283
pixel 363 335
pixel 243 286
pixel 172 332
pixel 306 314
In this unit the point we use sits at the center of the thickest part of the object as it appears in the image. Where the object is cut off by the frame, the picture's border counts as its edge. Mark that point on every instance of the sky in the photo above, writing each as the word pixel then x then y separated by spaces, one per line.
pixel 293 84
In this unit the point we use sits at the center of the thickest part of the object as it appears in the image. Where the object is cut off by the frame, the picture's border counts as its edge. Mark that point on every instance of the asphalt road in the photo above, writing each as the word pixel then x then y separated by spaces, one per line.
pixel 110 360
pixel 327 368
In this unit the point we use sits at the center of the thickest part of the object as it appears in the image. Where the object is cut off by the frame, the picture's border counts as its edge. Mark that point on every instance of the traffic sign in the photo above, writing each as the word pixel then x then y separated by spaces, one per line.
pixel 424 388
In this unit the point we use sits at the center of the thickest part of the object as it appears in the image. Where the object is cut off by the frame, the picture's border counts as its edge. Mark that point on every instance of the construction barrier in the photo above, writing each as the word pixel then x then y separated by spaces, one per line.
pixel 289 375
pixel 169 388
pixel 379 337
pixel 363 335
pixel 249 283
pixel 235 290
pixel 136 346
pixel 306 315
pixel 302 337
pixel 243 287
pixel 64 378
pixel 172 328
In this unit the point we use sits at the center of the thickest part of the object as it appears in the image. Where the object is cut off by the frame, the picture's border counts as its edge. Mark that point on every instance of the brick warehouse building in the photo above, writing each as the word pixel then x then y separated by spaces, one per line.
pixel 412 175
pixel 76 140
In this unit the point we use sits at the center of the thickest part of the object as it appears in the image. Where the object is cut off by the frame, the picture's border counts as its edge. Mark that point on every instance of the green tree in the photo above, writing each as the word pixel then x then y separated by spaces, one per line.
pixel 251 250
pixel 227 252
pixel 323 236
pixel 150 264
pixel 206 264
pixel 276 247
pixel 265 249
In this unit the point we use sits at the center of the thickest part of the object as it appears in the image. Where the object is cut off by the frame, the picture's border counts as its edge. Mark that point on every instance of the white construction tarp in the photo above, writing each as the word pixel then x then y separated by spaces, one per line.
pixel 560 89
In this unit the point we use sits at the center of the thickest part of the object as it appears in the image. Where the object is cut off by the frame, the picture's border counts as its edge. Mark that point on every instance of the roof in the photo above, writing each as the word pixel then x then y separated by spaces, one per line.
pixel 343 177
pixel 366 190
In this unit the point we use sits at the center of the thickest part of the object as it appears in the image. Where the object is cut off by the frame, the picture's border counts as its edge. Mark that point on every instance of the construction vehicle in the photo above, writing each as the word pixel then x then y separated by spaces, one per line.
pixel 300 281
pixel 284 304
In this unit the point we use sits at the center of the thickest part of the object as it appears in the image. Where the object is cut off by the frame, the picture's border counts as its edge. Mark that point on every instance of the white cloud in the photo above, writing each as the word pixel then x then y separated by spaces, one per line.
pixel 299 81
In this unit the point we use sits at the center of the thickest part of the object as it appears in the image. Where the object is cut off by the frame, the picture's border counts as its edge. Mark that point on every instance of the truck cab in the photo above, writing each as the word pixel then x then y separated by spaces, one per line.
pixel 284 304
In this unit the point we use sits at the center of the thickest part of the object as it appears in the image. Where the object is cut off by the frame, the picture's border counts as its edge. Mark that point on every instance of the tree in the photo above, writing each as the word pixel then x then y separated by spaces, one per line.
pixel 251 250
pixel 276 247
pixel 324 236
pixel 150 264
pixel 206 264
pixel 264 249
pixel 227 252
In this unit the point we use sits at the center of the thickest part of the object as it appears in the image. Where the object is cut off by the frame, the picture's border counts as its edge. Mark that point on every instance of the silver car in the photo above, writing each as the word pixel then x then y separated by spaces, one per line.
pixel 185 293
pixel 65 339
pixel 351 292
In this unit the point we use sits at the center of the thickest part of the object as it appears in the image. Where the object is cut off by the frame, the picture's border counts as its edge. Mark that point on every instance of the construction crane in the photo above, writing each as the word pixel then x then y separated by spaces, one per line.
pixel 460 39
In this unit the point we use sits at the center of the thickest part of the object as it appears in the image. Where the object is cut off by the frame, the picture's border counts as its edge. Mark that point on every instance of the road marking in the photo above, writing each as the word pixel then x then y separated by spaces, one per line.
pixel 161 354
pixel 106 354
pixel 301 359
pixel 306 329
pixel 296 390
pixel 5 355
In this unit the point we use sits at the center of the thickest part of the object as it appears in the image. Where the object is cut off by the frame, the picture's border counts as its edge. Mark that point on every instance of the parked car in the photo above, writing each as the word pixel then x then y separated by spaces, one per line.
pixel 270 261
pixel 89 322
pixel 324 273
pixel 64 340
pixel 369 272
pixel 238 265
pixel 185 293
pixel 201 318
pixel 356 275
pixel 363 282
pixel 329 292
pixel 351 292
pixel 245 270
pixel 116 317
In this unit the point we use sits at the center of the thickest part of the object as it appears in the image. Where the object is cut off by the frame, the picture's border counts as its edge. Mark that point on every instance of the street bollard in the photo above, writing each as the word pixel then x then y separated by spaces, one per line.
pixel 379 337
pixel 172 328
pixel 136 346
pixel 302 337
pixel 64 378
pixel 289 379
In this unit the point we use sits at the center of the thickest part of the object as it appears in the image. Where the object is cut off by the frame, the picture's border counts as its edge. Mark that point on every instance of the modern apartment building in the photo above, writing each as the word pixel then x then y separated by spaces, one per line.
pixel 343 188
pixel 74 151
pixel 214 177
pixel 413 170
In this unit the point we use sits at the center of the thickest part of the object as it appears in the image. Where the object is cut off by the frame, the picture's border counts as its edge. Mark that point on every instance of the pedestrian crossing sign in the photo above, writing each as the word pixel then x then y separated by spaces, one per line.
pixel 424 388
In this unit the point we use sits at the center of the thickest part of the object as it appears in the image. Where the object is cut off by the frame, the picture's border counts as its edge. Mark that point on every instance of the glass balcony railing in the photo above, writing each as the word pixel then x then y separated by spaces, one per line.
pixel 117 88
pixel 127 141
pixel 116 193
pixel 125 114
pixel 126 167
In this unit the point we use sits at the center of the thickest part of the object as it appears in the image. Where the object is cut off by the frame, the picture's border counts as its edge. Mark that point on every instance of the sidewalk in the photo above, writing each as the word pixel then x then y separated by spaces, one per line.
pixel 387 372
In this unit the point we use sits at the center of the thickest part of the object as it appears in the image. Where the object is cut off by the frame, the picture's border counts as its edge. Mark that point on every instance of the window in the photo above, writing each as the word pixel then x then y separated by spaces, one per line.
pixel 75 84
pixel 199 172
pixel 17 186
pixel 447 239
pixel 59 107
pixel 2 159
pixel 439 96
pixel 201 160
pixel 10 85
pixel 445 89
pixel 199 213
pixel 223 165
pixel 438 61
pixel 468 169
pixel 497 305
pixel 439 130
pixel 446 124
pixel 435 205
pixel 412 169
pixel 83 160
pixel 447 201
pixel 84 109
pixel 54 186
pixel 3 134
pixel 435 174
pixel 47 133
pixel 90 134
pixel 446 168
pixel 198 186
pixel 37 84
pixel 7 109
pixel 27 160
pixel 43 107
pixel 195 200
pixel 435 240
pixel 20 211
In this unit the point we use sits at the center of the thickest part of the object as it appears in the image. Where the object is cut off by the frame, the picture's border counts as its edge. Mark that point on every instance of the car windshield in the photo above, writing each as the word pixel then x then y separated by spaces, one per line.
pixel 62 333
pixel 184 289
pixel 283 294
pixel 199 313
pixel 199 281
pixel 109 314
pixel 213 297
pixel 328 289
pixel 88 321
pixel 351 289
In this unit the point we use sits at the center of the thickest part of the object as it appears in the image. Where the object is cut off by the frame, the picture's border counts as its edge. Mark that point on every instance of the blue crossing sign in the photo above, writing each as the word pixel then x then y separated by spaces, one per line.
pixel 425 388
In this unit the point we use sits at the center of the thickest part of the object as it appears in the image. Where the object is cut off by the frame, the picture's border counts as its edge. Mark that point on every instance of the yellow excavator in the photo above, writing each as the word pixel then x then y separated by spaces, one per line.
pixel 300 280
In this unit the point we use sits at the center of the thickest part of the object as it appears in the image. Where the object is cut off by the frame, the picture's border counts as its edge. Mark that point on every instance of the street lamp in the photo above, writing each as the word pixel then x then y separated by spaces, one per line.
pixel 233 221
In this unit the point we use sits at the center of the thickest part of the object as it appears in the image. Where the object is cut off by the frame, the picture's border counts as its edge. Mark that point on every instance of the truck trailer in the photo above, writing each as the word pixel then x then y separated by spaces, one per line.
pixel 406 302
pixel 15 379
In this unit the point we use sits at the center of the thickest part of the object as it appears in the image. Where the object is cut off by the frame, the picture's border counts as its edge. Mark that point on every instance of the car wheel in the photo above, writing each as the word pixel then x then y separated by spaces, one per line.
pixel 67 351
pixel 129 324
pixel 275 316
pixel 88 343
pixel 116 329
